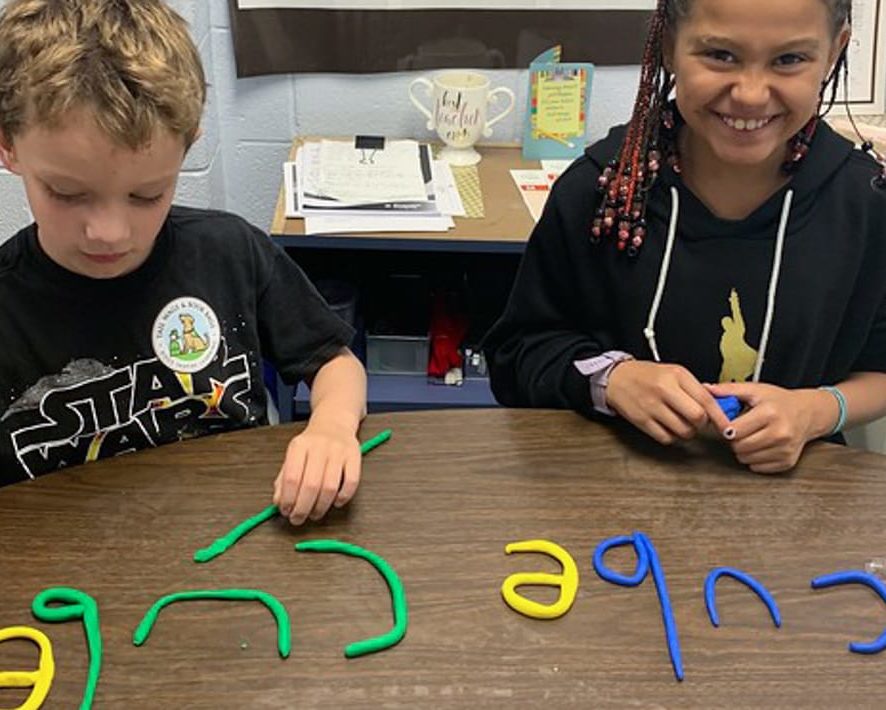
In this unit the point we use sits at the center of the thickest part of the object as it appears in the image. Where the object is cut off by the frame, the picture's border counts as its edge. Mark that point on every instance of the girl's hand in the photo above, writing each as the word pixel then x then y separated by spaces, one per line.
pixel 770 435
pixel 321 469
pixel 665 401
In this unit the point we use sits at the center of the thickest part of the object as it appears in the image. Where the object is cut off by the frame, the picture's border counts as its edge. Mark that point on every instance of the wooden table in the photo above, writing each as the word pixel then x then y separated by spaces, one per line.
pixel 440 501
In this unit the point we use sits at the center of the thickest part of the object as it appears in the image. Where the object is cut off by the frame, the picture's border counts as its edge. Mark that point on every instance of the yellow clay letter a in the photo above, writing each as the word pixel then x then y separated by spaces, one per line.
pixel 567 581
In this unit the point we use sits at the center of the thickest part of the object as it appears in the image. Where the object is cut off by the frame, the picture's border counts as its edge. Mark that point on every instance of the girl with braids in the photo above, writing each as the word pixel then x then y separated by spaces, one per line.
pixel 726 242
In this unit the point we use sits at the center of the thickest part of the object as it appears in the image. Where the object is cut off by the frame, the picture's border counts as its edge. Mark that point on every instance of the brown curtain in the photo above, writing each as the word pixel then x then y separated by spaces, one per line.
pixel 274 41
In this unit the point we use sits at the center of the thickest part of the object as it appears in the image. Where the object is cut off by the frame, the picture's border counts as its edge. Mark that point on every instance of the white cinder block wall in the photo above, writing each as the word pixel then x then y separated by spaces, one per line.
pixel 249 124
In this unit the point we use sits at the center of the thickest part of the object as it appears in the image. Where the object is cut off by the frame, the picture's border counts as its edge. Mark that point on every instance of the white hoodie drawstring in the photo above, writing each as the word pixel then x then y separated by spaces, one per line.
pixel 649 330
pixel 773 283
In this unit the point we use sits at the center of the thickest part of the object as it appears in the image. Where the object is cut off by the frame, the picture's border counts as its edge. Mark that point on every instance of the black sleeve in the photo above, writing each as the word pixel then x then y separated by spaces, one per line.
pixel 873 356
pixel 298 331
pixel 552 318
pixel 871 287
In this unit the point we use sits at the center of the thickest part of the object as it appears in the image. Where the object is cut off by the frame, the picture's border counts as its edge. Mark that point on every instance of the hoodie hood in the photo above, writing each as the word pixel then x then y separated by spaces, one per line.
pixel 828 152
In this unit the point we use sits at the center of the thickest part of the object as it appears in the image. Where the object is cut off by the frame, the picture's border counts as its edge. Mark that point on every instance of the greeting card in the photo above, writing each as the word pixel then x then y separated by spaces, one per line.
pixel 558 100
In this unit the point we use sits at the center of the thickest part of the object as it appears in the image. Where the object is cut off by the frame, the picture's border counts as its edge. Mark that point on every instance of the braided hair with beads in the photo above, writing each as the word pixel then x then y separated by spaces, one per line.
pixel 628 177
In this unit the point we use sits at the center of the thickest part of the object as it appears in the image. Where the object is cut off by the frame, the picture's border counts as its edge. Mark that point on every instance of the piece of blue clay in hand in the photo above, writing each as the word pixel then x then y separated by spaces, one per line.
pixel 730 405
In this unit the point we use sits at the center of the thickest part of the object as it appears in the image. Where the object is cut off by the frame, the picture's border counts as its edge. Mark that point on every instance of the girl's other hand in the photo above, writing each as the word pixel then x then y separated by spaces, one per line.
pixel 777 423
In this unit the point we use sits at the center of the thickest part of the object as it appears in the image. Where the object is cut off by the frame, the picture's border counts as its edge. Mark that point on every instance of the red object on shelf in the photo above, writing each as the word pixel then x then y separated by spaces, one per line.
pixel 448 327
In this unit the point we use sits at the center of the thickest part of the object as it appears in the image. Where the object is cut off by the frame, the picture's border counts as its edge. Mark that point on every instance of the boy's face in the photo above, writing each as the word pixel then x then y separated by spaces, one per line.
pixel 98 206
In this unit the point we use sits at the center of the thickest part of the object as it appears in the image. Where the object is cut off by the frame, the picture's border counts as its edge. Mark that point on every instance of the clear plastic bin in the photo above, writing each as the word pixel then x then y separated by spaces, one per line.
pixel 397 354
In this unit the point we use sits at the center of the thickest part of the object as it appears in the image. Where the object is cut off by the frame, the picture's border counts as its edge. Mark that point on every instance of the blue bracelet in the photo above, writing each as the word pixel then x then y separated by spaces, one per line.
pixel 841 403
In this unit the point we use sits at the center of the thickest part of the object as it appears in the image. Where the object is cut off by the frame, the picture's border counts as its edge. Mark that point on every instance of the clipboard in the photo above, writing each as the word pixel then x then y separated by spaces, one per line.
pixel 557 107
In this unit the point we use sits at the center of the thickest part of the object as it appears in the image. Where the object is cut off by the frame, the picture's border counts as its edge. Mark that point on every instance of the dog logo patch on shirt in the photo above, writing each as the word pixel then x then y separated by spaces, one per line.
pixel 186 335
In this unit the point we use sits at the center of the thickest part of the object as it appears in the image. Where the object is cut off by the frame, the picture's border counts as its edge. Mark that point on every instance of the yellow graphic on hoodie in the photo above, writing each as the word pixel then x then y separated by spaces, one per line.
pixel 739 358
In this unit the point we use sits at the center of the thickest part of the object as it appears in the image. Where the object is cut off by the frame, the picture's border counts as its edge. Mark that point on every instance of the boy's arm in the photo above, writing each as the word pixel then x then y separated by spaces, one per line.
pixel 338 392
pixel 322 464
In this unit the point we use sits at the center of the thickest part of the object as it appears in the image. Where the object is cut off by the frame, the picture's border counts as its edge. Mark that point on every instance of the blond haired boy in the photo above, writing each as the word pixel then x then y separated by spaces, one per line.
pixel 128 322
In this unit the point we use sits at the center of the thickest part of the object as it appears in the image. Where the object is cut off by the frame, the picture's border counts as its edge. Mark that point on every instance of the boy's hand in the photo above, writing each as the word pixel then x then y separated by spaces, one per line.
pixel 770 436
pixel 321 469
pixel 665 401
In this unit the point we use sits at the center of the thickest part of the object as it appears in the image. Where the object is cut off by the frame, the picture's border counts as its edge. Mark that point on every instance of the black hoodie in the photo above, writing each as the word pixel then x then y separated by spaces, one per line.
pixel 572 300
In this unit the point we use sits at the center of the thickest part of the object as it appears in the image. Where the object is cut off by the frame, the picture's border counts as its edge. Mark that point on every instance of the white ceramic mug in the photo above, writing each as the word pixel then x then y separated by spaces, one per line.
pixel 460 99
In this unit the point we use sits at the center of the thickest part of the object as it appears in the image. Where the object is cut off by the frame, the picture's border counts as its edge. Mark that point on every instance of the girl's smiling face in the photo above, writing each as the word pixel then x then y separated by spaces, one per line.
pixel 749 74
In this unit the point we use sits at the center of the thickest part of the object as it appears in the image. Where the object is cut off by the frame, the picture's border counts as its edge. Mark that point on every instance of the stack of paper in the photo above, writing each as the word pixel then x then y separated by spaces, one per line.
pixel 338 187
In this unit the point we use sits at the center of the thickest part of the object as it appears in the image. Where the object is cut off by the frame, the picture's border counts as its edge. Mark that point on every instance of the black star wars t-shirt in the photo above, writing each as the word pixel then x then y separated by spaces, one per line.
pixel 91 368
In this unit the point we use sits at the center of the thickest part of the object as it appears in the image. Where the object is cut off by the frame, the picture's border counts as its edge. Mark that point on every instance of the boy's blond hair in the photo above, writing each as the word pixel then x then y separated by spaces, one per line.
pixel 130 63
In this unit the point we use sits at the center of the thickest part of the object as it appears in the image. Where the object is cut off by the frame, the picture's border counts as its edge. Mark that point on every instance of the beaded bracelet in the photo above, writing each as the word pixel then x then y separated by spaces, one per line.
pixel 841 403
